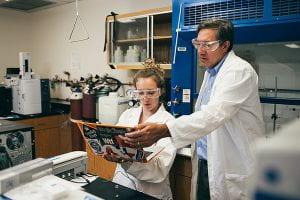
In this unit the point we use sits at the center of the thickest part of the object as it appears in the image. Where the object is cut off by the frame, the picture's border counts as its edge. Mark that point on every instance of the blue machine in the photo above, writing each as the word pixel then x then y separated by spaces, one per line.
pixel 255 21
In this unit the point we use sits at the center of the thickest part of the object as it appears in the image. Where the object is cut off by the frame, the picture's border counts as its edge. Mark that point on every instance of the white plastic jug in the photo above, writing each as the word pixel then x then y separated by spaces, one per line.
pixel 119 55
pixel 111 107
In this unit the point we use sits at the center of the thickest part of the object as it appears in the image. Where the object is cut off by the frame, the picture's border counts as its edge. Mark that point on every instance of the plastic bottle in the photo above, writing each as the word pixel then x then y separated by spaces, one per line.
pixel 111 107
pixel 129 34
pixel 119 55
pixel 135 53
pixel 143 55
pixel 128 57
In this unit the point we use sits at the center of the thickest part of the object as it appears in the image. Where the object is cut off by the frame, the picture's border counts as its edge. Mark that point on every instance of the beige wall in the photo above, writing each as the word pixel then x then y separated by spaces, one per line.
pixel 45 34
pixel 14 34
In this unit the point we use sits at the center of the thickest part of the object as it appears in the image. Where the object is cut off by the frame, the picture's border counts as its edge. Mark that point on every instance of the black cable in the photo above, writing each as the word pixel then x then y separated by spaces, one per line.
pixel 9 159
pixel 114 25
pixel 6 158
pixel 113 81
pixel 127 176
pixel 114 31
pixel 80 175
pixel 77 181
pixel 88 175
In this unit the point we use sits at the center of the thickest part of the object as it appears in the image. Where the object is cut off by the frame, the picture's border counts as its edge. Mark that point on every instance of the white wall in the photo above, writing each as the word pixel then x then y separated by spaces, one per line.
pixel 46 36
pixel 14 34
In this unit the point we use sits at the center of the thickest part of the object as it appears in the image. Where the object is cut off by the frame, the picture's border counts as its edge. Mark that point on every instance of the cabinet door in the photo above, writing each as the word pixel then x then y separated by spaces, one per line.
pixel 42 123
pixel 181 188
pixel 65 134
pixel 161 38
pixel 129 41
pixel 180 177
pixel 47 143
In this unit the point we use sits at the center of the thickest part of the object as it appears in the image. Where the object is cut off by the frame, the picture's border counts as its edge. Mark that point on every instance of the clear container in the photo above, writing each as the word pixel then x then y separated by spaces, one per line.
pixel 111 107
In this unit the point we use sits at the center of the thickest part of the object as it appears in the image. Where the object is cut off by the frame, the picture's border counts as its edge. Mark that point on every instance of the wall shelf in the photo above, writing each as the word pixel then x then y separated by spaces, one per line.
pixel 162 37
pixel 131 40
pixel 136 66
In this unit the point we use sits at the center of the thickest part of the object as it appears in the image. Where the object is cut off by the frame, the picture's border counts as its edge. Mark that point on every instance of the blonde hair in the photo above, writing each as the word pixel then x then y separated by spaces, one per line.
pixel 151 70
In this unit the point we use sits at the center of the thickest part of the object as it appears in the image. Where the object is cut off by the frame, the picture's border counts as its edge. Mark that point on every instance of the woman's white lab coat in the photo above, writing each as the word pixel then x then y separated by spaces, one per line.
pixel 234 120
pixel 153 177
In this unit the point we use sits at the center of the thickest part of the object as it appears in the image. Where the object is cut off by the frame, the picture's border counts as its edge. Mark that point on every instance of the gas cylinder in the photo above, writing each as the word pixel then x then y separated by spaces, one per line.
pixel 76 105
pixel 89 107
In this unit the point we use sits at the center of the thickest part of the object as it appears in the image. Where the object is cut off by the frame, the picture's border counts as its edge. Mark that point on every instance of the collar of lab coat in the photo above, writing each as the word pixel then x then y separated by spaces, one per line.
pixel 220 71
pixel 152 117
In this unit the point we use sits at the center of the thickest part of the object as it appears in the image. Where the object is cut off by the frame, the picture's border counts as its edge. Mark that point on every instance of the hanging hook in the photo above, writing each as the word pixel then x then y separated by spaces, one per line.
pixel 75 23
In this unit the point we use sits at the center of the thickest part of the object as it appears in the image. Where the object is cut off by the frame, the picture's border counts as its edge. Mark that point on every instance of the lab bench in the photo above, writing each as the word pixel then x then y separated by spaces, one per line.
pixel 53 137
pixel 52 132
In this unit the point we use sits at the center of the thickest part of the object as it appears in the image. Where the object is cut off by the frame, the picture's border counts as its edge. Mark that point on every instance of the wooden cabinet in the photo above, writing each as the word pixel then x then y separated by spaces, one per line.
pixel 135 36
pixel 52 135
pixel 47 142
pixel 65 132
pixel 180 178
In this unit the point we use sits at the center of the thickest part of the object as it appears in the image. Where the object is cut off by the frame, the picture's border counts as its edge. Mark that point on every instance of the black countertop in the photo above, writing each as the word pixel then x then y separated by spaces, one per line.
pixel 57 107
pixel 7 126
pixel 109 190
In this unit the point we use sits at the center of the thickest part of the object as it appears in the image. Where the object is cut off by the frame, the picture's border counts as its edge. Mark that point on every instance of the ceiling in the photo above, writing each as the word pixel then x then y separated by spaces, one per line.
pixel 31 5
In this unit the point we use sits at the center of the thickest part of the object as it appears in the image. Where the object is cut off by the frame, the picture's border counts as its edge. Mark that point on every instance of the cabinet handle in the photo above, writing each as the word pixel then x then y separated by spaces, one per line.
pixel 41 124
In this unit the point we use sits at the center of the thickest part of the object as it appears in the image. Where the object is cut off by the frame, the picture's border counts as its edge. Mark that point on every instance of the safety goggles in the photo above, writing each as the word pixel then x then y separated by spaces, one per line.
pixel 149 93
pixel 208 46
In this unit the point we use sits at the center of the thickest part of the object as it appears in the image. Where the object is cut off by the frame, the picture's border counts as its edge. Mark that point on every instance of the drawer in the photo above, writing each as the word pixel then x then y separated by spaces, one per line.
pixel 46 122
pixel 29 122
pixel 42 122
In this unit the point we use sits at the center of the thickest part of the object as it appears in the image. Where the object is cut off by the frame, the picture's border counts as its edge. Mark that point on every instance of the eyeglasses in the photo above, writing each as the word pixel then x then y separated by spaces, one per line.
pixel 150 93
pixel 209 46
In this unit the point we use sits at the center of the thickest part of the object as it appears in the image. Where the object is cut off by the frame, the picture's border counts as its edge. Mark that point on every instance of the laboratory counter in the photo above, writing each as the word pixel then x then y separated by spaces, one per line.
pixel 51 130
pixel 56 108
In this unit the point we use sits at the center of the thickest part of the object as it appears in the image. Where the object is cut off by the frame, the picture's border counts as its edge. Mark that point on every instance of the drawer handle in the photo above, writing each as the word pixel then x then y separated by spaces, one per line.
pixel 41 124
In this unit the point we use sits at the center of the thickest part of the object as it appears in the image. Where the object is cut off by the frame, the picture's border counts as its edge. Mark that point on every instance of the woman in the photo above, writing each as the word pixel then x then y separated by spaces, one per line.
pixel 151 178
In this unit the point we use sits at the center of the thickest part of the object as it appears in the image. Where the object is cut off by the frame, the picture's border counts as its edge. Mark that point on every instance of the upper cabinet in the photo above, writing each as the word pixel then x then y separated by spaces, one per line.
pixel 136 36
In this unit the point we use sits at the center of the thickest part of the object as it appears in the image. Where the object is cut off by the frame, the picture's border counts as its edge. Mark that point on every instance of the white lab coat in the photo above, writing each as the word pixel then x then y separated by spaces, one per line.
pixel 234 120
pixel 153 177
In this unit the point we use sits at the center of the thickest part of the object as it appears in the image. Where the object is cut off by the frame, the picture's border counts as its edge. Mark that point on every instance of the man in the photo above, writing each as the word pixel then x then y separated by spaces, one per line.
pixel 227 119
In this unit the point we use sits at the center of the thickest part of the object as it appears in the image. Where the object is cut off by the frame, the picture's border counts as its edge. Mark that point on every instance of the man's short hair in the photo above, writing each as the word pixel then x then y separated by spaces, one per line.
pixel 223 26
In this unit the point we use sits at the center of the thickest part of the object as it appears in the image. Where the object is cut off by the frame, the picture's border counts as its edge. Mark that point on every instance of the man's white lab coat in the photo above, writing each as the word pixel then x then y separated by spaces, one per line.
pixel 153 177
pixel 234 120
